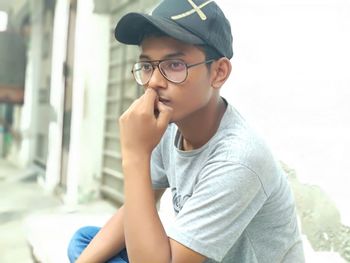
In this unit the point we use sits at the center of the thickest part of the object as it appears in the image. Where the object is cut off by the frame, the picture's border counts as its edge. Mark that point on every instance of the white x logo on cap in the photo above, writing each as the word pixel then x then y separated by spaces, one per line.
pixel 195 9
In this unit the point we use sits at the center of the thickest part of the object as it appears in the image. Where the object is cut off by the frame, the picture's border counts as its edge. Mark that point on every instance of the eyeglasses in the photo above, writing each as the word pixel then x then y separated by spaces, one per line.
pixel 174 70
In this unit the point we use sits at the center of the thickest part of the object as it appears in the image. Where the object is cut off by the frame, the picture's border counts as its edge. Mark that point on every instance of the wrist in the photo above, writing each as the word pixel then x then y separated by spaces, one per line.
pixel 132 159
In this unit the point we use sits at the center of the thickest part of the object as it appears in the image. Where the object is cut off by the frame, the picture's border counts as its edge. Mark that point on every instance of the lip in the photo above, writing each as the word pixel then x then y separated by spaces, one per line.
pixel 163 100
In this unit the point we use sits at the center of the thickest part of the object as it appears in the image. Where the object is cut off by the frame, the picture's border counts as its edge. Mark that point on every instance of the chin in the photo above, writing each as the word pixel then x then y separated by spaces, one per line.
pixel 174 119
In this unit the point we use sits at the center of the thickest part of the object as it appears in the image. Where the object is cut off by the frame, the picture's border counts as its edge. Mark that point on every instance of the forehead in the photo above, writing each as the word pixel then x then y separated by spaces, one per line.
pixel 160 47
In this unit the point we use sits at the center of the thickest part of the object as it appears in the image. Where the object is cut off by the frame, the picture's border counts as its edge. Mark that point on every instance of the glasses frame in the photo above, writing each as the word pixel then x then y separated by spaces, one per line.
pixel 156 63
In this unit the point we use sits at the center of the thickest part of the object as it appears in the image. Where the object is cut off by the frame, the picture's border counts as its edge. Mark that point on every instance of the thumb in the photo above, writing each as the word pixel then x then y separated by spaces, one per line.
pixel 165 114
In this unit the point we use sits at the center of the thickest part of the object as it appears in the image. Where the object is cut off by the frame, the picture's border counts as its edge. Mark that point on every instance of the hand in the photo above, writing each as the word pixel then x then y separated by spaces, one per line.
pixel 143 124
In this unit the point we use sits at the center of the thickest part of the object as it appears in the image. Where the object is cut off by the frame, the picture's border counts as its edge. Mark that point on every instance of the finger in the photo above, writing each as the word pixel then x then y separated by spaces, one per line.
pixel 156 110
pixel 149 99
pixel 165 114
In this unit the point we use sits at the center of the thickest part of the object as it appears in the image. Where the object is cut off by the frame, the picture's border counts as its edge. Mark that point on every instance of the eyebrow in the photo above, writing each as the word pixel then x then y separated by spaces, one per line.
pixel 168 56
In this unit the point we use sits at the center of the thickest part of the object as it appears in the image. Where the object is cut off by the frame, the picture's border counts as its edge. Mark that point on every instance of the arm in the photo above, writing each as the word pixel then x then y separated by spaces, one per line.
pixel 145 238
pixel 105 244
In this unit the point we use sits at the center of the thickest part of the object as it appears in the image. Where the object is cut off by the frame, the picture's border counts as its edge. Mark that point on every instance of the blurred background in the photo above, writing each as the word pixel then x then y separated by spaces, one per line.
pixel 64 81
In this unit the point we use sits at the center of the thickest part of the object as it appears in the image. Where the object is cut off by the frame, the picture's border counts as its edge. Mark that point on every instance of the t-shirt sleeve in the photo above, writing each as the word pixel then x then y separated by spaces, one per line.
pixel 158 174
pixel 225 199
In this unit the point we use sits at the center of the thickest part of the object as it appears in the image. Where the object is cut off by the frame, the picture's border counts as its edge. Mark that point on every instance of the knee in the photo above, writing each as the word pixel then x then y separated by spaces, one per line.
pixel 79 241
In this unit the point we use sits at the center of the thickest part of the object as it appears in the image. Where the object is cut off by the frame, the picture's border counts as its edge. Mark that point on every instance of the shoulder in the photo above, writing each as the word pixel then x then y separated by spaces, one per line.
pixel 237 143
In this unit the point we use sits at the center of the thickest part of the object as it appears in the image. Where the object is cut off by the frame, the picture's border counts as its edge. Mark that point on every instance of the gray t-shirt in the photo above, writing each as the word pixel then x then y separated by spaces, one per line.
pixel 231 198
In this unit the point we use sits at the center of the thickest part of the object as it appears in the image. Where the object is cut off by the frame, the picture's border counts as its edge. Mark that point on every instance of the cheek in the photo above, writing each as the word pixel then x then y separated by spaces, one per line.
pixel 192 96
pixel 200 89
pixel 193 93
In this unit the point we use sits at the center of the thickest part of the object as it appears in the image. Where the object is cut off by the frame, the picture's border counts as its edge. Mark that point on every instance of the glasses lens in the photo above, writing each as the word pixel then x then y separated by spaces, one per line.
pixel 174 70
pixel 142 72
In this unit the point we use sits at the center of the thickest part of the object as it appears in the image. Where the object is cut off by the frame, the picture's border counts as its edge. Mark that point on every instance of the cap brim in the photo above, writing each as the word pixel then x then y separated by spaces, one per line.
pixel 130 29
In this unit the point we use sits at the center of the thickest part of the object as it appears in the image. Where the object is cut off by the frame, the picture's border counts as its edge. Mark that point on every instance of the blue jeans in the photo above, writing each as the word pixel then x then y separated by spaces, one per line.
pixel 82 238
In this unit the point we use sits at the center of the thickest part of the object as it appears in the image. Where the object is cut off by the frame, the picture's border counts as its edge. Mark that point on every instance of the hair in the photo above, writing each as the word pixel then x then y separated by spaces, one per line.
pixel 209 52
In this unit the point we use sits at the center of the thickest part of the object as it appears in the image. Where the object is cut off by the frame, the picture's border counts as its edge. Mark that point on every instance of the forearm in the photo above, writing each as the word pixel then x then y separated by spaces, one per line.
pixel 146 240
pixel 108 242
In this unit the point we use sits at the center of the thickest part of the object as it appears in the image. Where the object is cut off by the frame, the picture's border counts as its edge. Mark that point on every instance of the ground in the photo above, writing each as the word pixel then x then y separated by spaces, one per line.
pixel 38 222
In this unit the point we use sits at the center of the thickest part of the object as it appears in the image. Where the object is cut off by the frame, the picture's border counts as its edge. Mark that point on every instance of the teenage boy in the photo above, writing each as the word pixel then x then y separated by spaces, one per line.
pixel 231 198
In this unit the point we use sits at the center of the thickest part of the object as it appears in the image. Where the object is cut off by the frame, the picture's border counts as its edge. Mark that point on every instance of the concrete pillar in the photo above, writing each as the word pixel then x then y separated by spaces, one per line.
pixel 30 107
pixel 59 49
pixel 90 78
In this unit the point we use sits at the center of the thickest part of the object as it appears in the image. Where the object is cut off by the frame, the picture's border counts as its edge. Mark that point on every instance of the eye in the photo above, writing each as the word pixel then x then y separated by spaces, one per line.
pixel 142 67
pixel 177 65
pixel 173 65
pixel 146 67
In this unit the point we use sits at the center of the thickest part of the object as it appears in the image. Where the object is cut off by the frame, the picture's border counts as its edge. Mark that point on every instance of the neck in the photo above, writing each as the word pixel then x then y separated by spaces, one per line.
pixel 201 126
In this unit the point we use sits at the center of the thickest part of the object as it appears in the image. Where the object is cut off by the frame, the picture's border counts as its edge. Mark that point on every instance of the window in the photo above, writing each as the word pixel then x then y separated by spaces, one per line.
pixel 3 21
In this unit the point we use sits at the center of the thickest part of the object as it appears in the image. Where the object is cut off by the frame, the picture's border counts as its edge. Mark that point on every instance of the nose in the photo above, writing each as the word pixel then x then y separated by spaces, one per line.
pixel 157 80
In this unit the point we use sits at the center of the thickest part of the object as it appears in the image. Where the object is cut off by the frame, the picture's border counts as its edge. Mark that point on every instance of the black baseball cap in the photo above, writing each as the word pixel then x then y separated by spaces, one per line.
pixel 197 22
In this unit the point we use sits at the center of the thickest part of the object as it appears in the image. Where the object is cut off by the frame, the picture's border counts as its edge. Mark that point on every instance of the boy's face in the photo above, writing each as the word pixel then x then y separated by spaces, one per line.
pixel 185 98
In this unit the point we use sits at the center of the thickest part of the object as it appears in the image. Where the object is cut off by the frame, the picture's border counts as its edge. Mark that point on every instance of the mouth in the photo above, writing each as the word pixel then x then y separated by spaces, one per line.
pixel 163 100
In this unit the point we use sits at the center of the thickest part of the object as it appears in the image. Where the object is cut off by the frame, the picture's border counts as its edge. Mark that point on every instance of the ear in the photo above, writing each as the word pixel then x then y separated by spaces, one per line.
pixel 220 71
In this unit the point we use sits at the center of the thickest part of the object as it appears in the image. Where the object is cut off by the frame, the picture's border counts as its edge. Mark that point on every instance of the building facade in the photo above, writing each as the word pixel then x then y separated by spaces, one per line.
pixel 77 84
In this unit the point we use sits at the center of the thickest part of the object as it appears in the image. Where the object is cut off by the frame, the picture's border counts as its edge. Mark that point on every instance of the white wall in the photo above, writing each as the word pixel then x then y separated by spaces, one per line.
pixel 291 80
pixel 89 96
